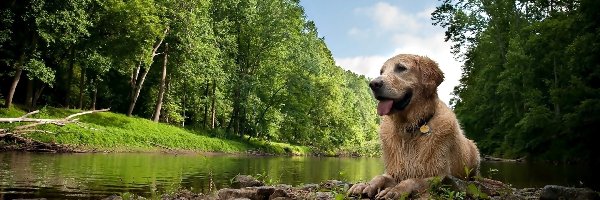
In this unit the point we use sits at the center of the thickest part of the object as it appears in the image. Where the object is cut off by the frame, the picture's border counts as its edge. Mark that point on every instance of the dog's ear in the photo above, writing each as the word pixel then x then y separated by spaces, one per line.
pixel 431 74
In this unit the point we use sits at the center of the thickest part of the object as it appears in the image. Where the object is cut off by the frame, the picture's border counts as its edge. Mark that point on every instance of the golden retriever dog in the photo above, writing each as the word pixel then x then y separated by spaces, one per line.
pixel 420 136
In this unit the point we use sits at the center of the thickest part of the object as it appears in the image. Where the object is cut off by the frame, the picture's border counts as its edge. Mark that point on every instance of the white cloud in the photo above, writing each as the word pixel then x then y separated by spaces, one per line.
pixel 390 18
pixel 365 65
pixel 424 39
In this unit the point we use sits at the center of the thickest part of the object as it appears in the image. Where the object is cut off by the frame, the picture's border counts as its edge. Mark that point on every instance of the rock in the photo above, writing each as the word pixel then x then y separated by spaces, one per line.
pixel 113 197
pixel 455 183
pixel 254 193
pixel 332 184
pixel 527 193
pixel 323 195
pixel 264 192
pixel 237 194
pixel 481 186
pixel 242 181
pixel 284 186
pixel 550 192
pixel 310 187
pixel 282 198
pixel 279 194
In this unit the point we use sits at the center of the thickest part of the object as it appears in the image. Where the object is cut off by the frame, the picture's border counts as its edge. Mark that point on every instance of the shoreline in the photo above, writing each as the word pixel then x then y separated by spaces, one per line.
pixel 248 187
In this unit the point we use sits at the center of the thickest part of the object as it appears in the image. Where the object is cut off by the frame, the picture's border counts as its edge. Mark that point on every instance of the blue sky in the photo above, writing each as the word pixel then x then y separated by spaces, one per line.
pixel 362 34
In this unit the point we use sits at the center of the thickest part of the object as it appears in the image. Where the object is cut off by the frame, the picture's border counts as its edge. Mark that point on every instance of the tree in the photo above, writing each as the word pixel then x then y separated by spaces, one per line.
pixel 43 28
pixel 161 93
pixel 522 66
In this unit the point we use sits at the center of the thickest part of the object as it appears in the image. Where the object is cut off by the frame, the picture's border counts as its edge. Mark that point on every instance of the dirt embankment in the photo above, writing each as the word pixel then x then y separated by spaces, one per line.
pixel 11 142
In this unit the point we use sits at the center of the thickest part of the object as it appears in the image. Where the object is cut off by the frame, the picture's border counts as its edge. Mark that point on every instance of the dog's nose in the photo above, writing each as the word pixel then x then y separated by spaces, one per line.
pixel 376 83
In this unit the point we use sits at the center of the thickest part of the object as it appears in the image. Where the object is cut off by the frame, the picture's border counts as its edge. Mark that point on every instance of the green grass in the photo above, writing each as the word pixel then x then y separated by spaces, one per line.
pixel 117 132
pixel 280 148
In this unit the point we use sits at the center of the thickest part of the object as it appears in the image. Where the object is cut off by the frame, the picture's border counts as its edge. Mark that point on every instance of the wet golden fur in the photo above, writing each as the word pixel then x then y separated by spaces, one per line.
pixel 409 155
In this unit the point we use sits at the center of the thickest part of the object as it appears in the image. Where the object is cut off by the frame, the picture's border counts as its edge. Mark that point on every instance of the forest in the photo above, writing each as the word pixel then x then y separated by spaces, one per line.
pixel 235 69
pixel 531 76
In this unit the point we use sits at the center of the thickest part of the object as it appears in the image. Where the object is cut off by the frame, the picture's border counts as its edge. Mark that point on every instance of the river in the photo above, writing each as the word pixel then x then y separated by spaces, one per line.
pixel 96 175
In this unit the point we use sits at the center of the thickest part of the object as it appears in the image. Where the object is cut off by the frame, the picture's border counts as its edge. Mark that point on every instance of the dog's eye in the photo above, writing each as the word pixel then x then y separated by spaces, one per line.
pixel 381 72
pixel 399 68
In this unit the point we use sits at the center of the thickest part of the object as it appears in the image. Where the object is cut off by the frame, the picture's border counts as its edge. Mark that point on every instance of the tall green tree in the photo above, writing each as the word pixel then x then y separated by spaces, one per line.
pixel 38 30
pixel 522 85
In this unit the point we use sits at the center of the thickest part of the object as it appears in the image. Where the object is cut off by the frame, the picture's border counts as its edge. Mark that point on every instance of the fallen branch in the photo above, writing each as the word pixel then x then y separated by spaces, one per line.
pixel 31 113
pixel 491 158
pixel 31 130
pixel 13 135
pixel 25 118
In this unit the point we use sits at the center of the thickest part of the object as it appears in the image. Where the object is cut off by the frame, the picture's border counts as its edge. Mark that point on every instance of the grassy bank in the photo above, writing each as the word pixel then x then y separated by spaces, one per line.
pixel 109 131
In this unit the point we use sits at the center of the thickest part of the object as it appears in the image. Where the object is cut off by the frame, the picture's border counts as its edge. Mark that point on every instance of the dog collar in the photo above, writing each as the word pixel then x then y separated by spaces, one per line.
pixel 422 126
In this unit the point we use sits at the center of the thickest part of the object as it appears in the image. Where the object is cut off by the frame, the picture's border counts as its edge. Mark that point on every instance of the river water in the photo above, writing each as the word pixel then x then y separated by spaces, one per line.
pixel 77 176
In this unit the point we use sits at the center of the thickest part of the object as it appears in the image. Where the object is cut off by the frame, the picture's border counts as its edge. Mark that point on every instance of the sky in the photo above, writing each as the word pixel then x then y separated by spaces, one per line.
pixel 363 34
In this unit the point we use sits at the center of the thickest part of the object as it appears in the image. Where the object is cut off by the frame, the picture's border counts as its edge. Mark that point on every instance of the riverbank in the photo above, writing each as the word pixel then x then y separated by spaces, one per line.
pixel 248 187
pixel 113 132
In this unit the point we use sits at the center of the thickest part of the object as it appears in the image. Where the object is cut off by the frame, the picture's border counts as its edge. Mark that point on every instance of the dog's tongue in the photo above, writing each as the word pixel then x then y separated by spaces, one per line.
pixel 384 107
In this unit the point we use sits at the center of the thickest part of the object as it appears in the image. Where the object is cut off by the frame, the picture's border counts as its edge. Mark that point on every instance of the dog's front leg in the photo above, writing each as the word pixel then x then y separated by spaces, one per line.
pixel 371 188
pixel 405 187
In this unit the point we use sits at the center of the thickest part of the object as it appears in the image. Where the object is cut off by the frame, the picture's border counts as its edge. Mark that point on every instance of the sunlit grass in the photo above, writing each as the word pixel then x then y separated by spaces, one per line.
pixel 117 132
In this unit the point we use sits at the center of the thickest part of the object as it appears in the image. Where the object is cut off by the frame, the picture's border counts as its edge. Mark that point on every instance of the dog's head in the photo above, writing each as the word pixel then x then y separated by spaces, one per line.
pixel 403 80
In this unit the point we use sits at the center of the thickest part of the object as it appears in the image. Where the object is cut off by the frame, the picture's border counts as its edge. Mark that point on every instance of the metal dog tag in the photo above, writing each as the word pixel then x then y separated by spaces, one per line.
pixel 425 129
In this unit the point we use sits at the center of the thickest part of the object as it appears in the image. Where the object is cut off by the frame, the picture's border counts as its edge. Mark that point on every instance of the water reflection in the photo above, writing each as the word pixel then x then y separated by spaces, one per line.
pixel 76 176
pixel 27 175
pixel 523 175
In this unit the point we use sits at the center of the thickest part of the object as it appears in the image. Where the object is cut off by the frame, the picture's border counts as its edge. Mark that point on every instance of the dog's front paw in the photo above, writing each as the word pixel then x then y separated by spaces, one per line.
pixel 363 190
pixel 357 189
pixel 394 192
pixel 373 187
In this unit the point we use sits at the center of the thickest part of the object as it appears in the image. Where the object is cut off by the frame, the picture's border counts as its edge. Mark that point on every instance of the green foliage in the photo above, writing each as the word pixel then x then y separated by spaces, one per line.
pixel 235 69
pixel 37 69
pixel 475 192
pixel 468 172
pixel 268 180
pixel 527 75
pixel 438 190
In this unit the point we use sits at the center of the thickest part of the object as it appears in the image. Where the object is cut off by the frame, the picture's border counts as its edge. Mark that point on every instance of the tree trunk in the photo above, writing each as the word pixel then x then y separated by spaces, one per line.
pixel 183 109
pixel 37 95
pixel 212 107
pixel 94 94
pixel 69 80
pixel 81 83
pixel 556 103
pixel 136 92
pixel 29 95
pixel 234 114
pixel 205 121
pixel 13 86
pixel 137 82
pixel 161 90
pixel 165 118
